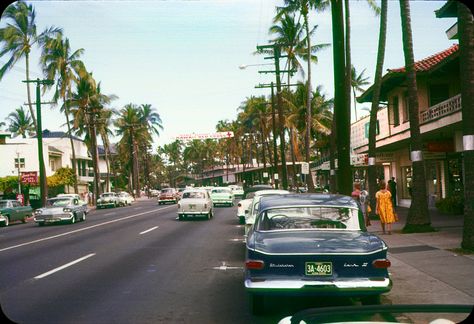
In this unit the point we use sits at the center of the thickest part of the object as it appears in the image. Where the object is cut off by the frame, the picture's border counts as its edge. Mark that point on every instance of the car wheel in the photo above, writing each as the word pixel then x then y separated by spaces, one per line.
pixel 370 300
pixel 24 219
pixel 180 217
pixel 73 219
pixel 208 216
pixel 83 217
pixel 257 304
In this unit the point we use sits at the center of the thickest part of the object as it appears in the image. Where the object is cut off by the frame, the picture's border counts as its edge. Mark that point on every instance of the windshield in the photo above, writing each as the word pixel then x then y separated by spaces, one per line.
pixel 3 204
pixel 167 191
pixel 106 195
pixel 59 202
pixel 320 218
pixel 221 190
pixel 194 194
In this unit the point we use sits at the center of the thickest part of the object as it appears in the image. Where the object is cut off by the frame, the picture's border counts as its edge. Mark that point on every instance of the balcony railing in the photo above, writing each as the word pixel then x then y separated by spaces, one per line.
pixel 441 109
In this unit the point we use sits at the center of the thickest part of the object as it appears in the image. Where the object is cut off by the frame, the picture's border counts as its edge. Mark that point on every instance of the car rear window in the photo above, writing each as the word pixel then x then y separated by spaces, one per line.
pixel 194 195
pixel 308 218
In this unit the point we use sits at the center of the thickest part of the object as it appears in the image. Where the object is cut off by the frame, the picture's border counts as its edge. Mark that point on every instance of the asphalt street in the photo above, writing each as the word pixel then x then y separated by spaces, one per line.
pixel 135 264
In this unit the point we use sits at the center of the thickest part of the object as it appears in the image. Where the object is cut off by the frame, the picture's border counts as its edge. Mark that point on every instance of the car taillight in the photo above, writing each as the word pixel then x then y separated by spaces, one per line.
pixel 254 264
pixel 381 263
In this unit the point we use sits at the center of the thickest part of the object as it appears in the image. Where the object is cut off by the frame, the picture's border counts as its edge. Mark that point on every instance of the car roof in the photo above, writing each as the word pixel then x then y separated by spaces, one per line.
pixel 271 192
pixel 311 199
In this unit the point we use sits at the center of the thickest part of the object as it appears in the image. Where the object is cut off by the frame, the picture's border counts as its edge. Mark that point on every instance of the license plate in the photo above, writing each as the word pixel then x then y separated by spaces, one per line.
pixel 318 268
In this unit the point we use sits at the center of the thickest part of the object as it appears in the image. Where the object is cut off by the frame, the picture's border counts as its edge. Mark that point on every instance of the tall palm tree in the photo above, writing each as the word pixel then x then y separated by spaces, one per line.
pixel 104 129
pixel 371 171
pixel 466 49
pixel 151 119
pixel 18 37
pixel 357 82
pixel 60 63
pixel 303 7
pixel 418 215
pixel 20 123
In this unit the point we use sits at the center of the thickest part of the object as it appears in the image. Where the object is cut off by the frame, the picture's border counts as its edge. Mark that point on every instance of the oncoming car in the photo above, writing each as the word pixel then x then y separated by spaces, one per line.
pixel 108 199
pixel 313 245
pixel 61 209
pixel 168 195
pixel 195 202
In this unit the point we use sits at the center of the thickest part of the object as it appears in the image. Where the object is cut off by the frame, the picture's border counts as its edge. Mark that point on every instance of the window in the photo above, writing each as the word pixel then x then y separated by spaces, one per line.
pixel 377 129
pixel 394 112
pixel 19 163
pixel 438 93
pixel 406 110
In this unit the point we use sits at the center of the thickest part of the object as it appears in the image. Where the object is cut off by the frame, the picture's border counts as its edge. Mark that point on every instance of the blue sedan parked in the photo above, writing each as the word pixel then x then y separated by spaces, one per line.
pixel 316 245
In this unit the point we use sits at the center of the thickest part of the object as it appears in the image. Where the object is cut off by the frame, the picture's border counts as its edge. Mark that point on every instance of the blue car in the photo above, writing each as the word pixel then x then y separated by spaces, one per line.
pixel 313 245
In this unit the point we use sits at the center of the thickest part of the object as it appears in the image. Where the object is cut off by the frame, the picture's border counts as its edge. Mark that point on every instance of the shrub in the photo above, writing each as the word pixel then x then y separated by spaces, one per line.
pixel 453 205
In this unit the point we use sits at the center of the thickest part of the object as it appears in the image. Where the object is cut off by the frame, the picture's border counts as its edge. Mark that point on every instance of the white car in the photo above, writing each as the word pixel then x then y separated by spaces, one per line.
pixel 125 198
pixel 238 191
pixel 73 195
pixel 253 206
pixel 195 202
pixel 108 199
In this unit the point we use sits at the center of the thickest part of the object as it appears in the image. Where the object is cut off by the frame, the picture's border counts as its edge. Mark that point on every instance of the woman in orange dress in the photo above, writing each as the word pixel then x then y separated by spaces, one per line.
pixel 384 207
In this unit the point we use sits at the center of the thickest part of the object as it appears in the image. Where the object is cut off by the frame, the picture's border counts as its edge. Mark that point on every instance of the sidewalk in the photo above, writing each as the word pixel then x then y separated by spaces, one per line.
pixel 424 270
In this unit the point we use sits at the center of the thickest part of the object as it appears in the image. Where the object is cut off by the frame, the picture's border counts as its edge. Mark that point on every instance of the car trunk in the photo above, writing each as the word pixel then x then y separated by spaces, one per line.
pixel 192 205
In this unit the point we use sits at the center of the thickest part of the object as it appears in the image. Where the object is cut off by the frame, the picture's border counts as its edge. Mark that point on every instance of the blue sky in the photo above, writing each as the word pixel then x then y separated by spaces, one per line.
pixel 182 57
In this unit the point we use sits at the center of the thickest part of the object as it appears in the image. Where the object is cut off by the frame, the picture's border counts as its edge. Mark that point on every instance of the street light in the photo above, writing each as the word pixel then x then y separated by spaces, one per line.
pixel 244 66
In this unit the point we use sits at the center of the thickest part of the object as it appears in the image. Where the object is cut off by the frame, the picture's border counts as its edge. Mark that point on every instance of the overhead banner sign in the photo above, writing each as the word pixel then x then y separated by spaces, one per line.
pixel 193 136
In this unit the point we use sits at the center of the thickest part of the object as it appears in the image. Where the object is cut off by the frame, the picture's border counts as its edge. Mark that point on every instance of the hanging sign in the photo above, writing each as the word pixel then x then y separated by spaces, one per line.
pixel 193 136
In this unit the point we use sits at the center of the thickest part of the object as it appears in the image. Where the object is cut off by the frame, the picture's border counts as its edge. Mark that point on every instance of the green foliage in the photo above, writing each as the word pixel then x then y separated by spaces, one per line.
pixel 62 177
pixel 453 205
pixel 8 184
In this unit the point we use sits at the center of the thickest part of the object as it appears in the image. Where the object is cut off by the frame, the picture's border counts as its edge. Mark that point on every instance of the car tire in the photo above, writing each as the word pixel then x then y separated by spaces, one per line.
pixel 180 217
pixel 73 219
pixel 208 216
pixel 257 304
pixel 83 218
pixel 371 300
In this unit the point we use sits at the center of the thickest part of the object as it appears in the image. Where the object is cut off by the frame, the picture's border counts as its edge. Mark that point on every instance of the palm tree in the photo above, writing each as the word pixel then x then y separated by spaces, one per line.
pixel 104 129
pixel 357 81
pixel 466 49
pixel 418 215
pixel 371 171
pixel 18 37
pixel 303 7
pixel 59 63
pixel 20 123
pixel 151 119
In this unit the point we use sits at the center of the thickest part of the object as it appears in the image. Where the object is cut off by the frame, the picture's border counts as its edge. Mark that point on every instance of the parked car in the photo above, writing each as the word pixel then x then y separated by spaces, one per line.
pixel 238 191
pixel 108 199
pixel 316 245
pixel 12 210
pixel 244 204
pixel 195 202
pixel 125 198
pixel 61 209
pixel 168 195
pixel 73 195
pixel 251 213
pixel 222 196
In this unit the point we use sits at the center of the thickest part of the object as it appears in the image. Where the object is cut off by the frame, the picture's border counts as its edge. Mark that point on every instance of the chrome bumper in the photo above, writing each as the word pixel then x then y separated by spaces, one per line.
pixel 354 284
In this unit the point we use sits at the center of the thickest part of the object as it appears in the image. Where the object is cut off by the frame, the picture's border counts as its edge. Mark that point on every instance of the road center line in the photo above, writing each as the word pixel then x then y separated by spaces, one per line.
pixel 149 230
pixel 83 229
pixel 64 266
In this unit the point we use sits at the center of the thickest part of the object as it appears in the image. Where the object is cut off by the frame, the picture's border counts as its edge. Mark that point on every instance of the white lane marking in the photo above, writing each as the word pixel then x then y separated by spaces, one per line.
pixel 64 266
pixel 82 229
pixel 149 230
pixel 108 214
pixel 224 267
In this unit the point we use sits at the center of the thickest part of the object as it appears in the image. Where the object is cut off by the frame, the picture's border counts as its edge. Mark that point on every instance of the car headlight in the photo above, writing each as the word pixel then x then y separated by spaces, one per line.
pixel 67 210
pixel 38 211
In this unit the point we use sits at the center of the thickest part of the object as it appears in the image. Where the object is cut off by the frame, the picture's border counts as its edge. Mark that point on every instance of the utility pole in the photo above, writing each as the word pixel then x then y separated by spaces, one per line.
pixel 39 136
pixel 276 48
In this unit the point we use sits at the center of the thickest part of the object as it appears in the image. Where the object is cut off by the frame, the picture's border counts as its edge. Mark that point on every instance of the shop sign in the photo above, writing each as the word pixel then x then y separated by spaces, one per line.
pixel 30 177
pixel 440 146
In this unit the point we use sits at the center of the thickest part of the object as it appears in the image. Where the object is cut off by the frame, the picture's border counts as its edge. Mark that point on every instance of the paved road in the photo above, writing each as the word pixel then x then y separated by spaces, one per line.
pixel 135 264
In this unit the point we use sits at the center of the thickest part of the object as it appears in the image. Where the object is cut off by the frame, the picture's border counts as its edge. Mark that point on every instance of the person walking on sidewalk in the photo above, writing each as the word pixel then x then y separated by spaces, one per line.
pixel 384 207
pixel 392 186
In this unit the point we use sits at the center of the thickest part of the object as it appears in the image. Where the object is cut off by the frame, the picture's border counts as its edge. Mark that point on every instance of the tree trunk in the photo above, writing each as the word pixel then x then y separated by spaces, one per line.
pixel 371 170
pixel 342 111
pixel 332 157
pixel 466 49
pixel 309 121
pixel 73 149
pixel 418 216
pixel 348 55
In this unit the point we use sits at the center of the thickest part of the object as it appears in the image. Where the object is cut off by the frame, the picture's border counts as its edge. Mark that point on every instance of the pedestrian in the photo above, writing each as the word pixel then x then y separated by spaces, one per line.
pixel 392 186
pixel 356 193
pixel 384 207
pixel 364 204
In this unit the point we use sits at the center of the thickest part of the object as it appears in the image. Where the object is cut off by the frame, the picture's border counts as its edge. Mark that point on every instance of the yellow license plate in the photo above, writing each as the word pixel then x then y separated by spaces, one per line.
pixel 318 268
